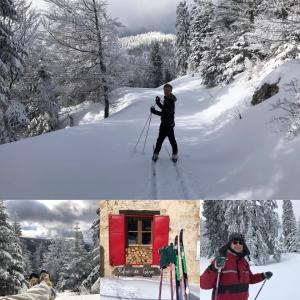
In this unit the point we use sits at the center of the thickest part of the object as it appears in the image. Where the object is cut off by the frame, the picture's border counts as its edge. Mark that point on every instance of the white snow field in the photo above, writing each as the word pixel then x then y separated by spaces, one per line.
pixel 72 296
pixel 139 288
pixel 220 155
pixel 283 285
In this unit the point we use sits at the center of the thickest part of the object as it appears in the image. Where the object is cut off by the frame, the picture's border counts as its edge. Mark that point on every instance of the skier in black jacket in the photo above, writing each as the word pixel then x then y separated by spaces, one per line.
pixel 167 125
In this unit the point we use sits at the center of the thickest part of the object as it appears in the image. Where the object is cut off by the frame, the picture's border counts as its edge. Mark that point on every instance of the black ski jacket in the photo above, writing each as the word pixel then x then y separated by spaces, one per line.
pixel 167 112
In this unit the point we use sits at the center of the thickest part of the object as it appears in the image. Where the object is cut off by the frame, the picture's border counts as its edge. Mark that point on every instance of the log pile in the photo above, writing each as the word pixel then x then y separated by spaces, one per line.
pixel 136 255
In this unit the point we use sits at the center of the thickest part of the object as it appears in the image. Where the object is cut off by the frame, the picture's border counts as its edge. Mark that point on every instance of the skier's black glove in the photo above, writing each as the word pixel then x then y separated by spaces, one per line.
pixel 152 109
pixel 157 100
pixel 268 275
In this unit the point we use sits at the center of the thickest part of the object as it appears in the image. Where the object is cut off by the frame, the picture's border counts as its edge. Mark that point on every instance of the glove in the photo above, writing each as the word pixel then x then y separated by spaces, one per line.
pixel 152 109
pixel 157 100
pixel 268 275
pixel 220 262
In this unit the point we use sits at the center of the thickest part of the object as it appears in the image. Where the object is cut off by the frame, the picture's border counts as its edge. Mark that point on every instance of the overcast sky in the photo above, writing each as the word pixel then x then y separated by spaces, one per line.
pixel 141 15
pixel 52 218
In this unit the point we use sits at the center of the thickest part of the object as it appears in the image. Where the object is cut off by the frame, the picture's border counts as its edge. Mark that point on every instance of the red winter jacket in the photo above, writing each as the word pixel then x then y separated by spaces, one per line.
pixel 234 279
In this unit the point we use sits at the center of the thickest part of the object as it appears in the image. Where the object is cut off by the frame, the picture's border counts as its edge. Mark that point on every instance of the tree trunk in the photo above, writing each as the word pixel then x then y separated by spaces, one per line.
pixel 106 100
pixel 101 61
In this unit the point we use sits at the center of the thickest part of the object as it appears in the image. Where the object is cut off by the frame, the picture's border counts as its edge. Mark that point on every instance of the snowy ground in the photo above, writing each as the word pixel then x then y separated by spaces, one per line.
pixel 133 288
pixel 73 296
pixel 283 285
pixel 221 156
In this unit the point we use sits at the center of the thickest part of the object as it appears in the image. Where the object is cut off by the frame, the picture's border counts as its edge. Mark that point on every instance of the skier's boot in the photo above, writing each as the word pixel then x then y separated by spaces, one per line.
pixel 174 157
pixel 155 157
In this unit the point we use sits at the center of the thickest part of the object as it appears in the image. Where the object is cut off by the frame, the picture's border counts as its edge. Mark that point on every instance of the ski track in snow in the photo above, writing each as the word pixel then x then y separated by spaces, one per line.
pixel 154 181
pixel 184 182
pixel 170 180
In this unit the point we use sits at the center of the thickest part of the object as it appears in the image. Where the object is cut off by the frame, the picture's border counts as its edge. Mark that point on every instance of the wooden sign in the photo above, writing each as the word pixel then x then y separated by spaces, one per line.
pixel 130 271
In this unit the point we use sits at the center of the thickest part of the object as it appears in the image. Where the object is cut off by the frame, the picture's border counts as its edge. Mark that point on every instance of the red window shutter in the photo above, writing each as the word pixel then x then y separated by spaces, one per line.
pixel 160 236
pixel 117 242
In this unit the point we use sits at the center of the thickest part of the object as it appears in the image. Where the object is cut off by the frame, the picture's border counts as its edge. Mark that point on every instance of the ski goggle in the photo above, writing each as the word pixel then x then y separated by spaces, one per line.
pixel 235 242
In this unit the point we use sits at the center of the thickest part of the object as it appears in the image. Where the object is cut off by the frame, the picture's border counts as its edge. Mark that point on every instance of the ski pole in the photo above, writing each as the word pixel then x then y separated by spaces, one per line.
pixel 172 260
pixel 147 134
pixel 260 288
pixel 134 149
pixel 184 269
pixel 160 283
pixel 218 283
pixel 177 271
pixel 171 280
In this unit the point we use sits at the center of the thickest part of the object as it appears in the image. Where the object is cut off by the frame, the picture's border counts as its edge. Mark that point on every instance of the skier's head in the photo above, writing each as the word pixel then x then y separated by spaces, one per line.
pixel 168 89
pixel 44 276
pixel 33 279
pixel 236 243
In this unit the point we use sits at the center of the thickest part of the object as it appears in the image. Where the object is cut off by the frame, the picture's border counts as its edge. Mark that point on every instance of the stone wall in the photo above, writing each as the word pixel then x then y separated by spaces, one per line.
pixel 183 214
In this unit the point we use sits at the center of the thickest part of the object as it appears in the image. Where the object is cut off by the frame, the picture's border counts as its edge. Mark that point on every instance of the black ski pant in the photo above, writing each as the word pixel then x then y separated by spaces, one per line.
pixel 166 131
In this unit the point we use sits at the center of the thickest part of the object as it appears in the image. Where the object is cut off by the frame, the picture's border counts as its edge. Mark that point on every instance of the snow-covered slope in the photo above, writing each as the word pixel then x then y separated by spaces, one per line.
pixel 138 288
pixel 283 284
pixel 221 156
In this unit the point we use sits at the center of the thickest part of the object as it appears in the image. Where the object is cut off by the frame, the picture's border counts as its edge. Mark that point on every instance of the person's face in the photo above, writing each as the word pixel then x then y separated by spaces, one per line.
pixel 43 276
pixel 237 246
pixel 167 91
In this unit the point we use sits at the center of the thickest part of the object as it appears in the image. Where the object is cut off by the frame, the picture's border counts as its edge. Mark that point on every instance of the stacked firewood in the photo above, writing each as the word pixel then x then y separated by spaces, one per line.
pixel 139 255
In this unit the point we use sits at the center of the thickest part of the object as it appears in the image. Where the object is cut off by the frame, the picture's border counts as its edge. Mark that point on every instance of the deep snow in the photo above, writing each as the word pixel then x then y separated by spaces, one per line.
pixel 283 285
pixel 138 288
pixel 221 156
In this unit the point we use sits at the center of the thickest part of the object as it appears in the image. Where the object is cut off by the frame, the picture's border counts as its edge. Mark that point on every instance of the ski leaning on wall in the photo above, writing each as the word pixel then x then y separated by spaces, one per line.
pixel 170 257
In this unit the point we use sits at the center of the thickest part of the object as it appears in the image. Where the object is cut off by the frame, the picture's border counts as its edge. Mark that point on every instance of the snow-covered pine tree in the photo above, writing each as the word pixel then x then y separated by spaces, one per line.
pixel 11 260
pixel 289 227
pixel 204 241
pixel 236 214
pixel 25 32
pixel 55 258
pixel 257 226
pixel 38 257
pixel 78 264
pixel 156 75
pixel 279 246
pixel 137 50
pixel 182 38
pixel 202 14
pixel 215 226
pixel 27 258
pixel 43 108
pixel 92 283
pixel 12 113
pixel 271 225
pixel 228 47
pixel 84 30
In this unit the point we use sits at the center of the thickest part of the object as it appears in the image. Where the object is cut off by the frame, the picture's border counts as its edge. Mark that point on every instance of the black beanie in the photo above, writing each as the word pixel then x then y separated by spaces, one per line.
pixel 235 236
pixel 33 275
pixel 44 271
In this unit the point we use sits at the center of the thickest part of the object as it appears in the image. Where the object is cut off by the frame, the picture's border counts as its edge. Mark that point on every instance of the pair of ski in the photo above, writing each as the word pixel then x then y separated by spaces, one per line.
pixel 182 291
pixel 154 161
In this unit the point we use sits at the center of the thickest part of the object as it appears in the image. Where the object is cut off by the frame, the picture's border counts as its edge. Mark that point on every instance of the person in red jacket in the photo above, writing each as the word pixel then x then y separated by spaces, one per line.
pixel 234 271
